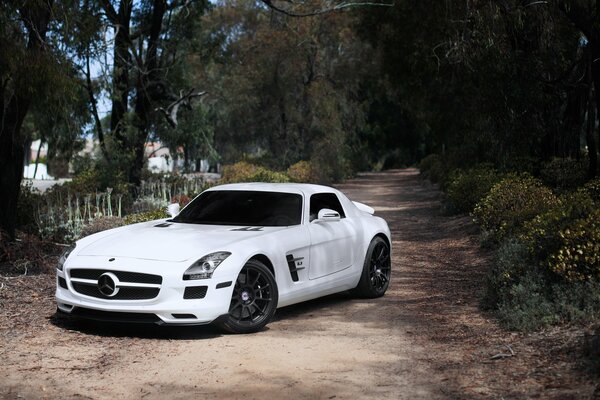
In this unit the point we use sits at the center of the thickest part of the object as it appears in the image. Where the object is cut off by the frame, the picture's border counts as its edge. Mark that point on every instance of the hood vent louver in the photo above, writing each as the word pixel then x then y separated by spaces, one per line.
pixel 249 229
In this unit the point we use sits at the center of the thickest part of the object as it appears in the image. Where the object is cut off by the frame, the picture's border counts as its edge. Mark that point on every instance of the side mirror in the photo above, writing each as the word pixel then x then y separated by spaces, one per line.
pixel 327 215
pixel 173 209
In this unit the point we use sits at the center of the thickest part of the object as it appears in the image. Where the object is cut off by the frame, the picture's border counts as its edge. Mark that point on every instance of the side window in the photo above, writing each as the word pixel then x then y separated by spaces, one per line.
pixel 325 200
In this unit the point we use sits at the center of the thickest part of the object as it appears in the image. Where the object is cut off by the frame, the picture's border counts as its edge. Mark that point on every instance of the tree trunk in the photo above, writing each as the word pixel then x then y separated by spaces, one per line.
pixel 590 135
pixel 595 71
pixel 12 113
pixel 122 61
pixel 37 157
pixel 144 98
pixel 12 156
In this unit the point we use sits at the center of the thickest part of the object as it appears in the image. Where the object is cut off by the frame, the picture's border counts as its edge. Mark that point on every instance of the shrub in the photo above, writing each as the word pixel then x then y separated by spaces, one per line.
pixel 148 203
pixel 434 168
pixel 592 188
pixel 466 188
pixel 533 303
pixel 245 172
pixel 541 234
pixel 301 172
pixel 102 224
pixel 526 307
pixel 578 258
pixel 564 173
pixel 429 162
pixel 145 216
pixel 510 203
pixel 511 262
pixel 30 201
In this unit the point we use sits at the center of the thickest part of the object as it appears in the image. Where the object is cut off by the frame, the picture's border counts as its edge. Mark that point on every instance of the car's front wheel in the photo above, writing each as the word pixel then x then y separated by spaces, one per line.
pixel 377 269
pixel 254 299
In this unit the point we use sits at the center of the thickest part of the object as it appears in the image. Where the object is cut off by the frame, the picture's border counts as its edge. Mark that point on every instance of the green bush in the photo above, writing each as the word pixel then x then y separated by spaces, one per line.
pixel 578 258
pixel 301 172
pixel 593 189
pixel 511 203
pixel 564 173
pixel 96 179
pixel 541 234
pixel 30 201
pixel 512 261
pixel 434 168
pixel 466 188
pixel 145 216
pixel 245 172
pixel 533 303
pixel 526 307
pixel 429 162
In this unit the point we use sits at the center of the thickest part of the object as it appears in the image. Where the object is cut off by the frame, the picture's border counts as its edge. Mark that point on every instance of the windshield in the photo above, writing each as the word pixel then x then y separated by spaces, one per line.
pixel 243 208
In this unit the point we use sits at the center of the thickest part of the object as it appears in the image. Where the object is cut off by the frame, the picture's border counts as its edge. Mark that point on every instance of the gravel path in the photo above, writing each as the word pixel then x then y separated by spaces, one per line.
pixel 425 339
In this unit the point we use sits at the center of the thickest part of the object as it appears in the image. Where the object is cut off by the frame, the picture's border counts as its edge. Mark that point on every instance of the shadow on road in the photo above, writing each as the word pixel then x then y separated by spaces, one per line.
pixel 197 332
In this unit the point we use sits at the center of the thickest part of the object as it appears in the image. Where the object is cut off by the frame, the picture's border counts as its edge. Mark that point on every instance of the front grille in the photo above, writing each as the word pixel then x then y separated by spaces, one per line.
pixel 125 293
pixel 115 316
pixel 195 292
pixel 124 276
pixel 127 284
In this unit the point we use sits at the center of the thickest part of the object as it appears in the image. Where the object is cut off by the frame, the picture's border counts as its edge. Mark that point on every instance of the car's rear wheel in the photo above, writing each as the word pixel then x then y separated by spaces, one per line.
pixel 377 269
pixel 254 299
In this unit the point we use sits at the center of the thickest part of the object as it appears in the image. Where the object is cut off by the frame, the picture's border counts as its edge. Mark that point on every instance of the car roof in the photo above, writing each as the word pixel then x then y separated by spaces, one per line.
pixel 306 188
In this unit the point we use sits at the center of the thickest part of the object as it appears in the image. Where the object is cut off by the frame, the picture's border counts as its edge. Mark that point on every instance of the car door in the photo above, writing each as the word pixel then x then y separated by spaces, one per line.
pixel 331 242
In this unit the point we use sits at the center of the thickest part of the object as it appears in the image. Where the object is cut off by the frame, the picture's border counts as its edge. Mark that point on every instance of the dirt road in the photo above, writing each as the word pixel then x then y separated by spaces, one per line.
pixel 425 339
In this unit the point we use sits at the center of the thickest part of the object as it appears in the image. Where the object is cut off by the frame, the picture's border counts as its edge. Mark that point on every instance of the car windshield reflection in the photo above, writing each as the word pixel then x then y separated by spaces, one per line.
pixel 243 208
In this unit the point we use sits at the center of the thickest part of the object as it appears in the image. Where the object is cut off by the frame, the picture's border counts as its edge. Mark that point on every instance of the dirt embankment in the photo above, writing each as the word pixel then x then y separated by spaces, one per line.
pixel 425 339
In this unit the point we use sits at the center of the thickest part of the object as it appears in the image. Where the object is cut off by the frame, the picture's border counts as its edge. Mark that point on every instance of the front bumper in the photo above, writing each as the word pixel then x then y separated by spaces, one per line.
pixel 169 307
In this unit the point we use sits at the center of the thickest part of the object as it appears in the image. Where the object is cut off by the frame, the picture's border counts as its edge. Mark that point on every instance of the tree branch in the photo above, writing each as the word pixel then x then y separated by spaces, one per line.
pixel 337 7
pixel 90 90
pixel 184 100
pixel 110 11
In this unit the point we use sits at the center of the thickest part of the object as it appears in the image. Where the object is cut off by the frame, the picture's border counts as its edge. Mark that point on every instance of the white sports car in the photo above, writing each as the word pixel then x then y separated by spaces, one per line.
pixel 231 257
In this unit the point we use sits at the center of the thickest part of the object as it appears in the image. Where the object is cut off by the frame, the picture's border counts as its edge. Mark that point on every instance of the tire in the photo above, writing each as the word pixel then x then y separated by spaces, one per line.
pixel 254 299
pixel 377 270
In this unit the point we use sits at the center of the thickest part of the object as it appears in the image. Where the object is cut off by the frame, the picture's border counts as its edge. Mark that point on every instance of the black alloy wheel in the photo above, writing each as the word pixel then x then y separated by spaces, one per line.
pixel 377 269
pixel 254 299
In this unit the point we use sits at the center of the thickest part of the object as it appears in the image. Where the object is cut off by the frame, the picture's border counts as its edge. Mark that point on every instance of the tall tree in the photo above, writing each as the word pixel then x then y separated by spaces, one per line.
pixel 286 89
pixel 585 16
pixel 146 48
pixel 25 68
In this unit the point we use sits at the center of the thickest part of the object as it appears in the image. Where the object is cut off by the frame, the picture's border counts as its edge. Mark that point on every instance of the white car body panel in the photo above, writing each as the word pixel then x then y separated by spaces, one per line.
pixel 326 257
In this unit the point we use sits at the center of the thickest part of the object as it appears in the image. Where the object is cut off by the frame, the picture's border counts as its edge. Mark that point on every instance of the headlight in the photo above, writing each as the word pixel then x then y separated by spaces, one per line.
pixel 204 267
pixel 64 256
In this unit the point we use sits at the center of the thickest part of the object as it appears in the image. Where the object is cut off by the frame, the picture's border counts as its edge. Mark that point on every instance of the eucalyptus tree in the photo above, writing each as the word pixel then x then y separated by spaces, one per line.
pixel 495 81
pixel 285 89
pixel 36 72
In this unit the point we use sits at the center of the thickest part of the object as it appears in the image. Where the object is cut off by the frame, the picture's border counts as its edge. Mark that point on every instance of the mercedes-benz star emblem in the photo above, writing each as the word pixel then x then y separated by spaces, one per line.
pixel 108 284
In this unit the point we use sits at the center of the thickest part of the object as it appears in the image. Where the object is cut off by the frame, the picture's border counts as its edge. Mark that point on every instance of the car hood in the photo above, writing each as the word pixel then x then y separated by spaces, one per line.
pixel 164 241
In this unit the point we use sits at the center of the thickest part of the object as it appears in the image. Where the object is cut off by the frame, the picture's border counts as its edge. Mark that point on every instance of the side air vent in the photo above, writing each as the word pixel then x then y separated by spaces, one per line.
pixel 195 292
pixel 293 267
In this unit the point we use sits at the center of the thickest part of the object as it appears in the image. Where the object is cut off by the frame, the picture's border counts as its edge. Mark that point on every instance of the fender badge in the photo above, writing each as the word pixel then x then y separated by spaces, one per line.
pixel 111 259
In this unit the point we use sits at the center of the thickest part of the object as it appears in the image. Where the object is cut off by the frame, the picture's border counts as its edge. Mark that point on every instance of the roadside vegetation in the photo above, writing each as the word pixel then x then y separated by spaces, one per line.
pixel 544 232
